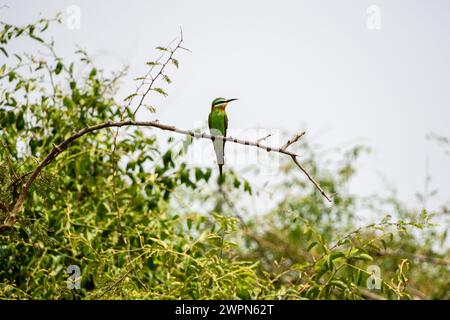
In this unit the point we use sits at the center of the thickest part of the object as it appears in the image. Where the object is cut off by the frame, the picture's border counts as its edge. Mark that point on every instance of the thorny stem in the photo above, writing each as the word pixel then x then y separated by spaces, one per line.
pixel 57 149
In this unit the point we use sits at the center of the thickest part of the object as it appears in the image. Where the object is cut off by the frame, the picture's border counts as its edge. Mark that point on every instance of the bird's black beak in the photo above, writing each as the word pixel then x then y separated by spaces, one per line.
pixel 229 100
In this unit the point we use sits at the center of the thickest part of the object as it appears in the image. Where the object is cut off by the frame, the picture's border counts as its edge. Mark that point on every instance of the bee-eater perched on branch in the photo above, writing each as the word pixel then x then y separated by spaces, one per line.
pixel 218 124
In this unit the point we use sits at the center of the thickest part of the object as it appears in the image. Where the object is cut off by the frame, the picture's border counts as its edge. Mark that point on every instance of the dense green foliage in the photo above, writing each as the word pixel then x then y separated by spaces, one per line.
pixel 126 211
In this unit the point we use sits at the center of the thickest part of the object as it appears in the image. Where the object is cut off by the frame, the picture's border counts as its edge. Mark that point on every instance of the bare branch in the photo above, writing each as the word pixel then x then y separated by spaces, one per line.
pixel 262 139
pixel 160 73
pixel 293 140
pixel 57 149
pixel 315 183
pixel 115 283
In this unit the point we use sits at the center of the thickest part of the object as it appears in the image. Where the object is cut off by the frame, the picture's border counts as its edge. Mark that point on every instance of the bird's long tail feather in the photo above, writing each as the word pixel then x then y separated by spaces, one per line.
pixel 219 148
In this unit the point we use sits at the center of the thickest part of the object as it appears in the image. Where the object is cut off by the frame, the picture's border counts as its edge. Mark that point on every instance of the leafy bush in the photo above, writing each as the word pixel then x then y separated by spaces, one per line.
pixel 121 206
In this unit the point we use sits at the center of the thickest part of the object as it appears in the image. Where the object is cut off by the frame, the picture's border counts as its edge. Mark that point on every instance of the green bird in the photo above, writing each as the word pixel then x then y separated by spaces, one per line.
pixel 218 124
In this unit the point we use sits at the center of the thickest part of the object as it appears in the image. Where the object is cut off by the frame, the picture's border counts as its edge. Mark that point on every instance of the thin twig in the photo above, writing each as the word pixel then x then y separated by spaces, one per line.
pixel 264 138
pixel 159 74
pixel 315 183
pixel 294 139
pixel 114 284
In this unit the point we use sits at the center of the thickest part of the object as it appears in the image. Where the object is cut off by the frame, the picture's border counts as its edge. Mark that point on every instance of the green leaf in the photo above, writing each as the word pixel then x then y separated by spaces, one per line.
pixel 68 102
pixel 11 118
pixel 337 254
pixel 2 70
pixel 166 78
pixel 92 74
pixel 339 284
pixel 321 269
pixel 198 174
pixel 18 57
pixel 161 49
pixel 207 174
pixel 11 76
pixel 130 96
pixel 45 27
pixel 19 32
pixel 20 121
pixel 329 263
pixel 383 242
pixel 311 245
pixel 358 277
pixel 236 183
pixel 150 108
pixel 4 51
pixel 167 159
pixel 58 67
pixel 36 38
pixel 363 256
pixel 175 62
pixel 160 91
pixel 247 187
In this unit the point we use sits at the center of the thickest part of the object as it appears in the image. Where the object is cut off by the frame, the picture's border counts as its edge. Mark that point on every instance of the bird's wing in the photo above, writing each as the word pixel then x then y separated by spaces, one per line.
pixel 209 120
pixel 225 125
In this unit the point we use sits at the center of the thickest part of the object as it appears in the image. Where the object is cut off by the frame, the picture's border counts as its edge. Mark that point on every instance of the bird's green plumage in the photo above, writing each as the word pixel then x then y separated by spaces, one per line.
pixel 218 124
pixel 218 120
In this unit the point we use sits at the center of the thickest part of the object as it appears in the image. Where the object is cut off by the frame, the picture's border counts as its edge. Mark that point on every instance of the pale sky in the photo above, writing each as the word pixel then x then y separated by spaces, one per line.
pixel 291 63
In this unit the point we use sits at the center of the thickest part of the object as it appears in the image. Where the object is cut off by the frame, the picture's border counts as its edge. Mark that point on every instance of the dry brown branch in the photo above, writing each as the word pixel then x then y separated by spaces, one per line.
pixel 314 182
pixel 57 149
pixel 293 140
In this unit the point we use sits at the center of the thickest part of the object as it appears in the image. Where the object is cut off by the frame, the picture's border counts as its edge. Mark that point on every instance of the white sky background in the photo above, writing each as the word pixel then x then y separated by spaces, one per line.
pixel 290 63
